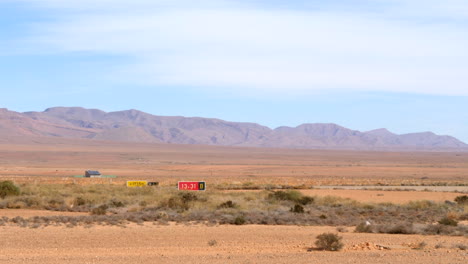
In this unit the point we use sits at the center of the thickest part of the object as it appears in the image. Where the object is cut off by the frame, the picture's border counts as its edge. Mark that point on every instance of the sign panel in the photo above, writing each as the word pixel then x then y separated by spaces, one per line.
pixel 136 183
pixel 153 183
pixel 191 186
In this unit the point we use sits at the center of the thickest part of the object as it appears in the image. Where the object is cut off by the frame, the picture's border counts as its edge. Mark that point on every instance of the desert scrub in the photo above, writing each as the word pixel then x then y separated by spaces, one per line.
pixel 329 242
pixel 8 188
pixel 293 196
pixel 448 221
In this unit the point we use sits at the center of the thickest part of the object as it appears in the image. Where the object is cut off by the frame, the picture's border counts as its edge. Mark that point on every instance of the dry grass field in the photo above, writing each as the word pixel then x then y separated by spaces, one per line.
pixel 158 225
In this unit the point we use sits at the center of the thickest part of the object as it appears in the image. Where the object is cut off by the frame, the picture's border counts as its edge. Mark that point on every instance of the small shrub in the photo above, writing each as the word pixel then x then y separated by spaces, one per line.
pixel 293 196
pixel 116 203
pixel 322 216
pixel 329 241
pixel 448 221
pixel 363 228
pixel 239 220
pixel 420 245
pixel 8 188
pixel 342 229
pixel 228 204
pixel 100 210
pixel 396 229
pixel 212 243
pixel 80 201
pixel 462 199
pixel 188 197
pixel 461 246
pixel 439 245
pixel 285 195
pixel 298 209
pixel 306 200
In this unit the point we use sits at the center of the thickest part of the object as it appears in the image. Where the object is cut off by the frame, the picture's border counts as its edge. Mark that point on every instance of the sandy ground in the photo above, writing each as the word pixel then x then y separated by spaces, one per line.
pixel 400 197
pixel 232 244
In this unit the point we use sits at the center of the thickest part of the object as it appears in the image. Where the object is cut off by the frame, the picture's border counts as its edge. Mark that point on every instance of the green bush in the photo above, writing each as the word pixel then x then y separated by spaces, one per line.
pixel 239 220
pixel 8 188
pixel 329 241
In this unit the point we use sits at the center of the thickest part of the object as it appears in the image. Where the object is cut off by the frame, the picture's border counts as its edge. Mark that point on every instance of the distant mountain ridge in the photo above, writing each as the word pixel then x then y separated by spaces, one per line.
pixel 136 126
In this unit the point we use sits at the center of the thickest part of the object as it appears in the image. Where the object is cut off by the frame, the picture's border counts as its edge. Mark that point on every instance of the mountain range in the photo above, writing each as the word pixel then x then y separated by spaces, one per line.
pixel 137 126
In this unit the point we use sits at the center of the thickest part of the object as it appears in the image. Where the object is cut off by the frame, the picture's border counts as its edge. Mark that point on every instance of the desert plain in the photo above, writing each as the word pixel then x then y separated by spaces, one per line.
pixel 376 177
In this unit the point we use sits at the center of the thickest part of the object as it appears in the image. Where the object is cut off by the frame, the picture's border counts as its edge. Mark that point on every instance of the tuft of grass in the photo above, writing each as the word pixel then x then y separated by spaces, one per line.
pixel 329 242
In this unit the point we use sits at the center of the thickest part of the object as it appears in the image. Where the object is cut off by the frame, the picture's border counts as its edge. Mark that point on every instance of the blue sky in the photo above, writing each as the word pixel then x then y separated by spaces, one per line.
pixel 402 65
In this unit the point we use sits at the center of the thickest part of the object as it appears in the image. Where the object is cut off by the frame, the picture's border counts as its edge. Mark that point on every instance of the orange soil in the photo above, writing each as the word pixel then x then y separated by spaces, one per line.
pixel 234 244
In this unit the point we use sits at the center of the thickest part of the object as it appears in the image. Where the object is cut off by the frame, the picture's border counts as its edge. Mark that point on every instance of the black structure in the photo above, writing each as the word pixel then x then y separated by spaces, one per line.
pixel 92 173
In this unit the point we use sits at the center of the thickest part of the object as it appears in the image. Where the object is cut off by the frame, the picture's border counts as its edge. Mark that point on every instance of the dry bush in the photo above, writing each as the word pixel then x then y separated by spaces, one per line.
pixel 448 221
pixel 363 228
pixel 293 196
pixel 460 246
pixel 297 208
pixel 228 204
pixel 329 241
pixel 462 199
pixel 100 210
pixel 401 228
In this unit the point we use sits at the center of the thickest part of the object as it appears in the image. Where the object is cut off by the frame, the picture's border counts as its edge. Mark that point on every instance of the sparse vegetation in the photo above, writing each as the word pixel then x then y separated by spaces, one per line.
pixel 117 205
pixel 329 242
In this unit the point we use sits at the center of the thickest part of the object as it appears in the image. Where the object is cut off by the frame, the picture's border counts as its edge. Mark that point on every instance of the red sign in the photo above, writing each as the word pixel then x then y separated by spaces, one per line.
pixel 191 186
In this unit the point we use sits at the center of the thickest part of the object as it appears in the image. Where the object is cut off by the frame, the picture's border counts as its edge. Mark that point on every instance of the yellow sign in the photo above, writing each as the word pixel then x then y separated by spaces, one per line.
pixel 136 183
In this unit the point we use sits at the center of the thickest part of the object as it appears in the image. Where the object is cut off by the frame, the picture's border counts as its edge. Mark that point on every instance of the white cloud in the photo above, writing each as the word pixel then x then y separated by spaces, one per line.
pixel 221 44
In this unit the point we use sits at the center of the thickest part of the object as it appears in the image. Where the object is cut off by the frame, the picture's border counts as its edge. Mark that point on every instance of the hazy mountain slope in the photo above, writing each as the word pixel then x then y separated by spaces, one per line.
pixel 136 126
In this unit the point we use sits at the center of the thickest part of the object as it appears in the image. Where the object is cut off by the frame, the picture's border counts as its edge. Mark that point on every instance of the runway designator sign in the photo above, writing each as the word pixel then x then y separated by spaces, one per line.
pixel 191 186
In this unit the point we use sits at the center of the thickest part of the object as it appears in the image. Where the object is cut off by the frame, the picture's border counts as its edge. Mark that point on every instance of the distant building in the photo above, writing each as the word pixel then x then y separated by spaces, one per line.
pixel 92 173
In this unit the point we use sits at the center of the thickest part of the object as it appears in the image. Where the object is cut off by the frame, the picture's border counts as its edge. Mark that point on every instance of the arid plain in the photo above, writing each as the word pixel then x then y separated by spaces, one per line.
pixel 229 169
